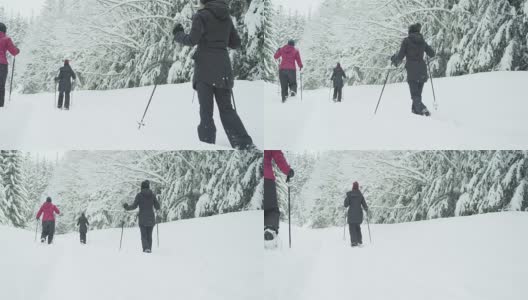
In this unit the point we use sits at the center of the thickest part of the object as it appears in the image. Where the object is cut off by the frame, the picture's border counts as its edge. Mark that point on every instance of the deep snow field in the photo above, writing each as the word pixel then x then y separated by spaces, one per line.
pixel 109 120
pixel 217 257
pixel 475 112
pixel 466 258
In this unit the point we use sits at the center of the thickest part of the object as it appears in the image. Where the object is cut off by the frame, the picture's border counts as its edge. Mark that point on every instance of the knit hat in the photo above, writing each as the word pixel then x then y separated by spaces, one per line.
pixel 355 186
pixel 415 28
pixel 66 62
pixel 3 28
pixel 145 184
pixel 291 42
pixel 48 199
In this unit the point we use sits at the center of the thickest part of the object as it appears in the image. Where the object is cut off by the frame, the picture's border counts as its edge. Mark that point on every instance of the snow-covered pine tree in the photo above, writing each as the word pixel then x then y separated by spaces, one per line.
pixel 15 203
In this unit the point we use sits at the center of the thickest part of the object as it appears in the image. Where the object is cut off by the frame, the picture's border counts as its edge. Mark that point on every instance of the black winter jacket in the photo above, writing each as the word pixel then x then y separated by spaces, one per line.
pixel 83 224
pixel 413 48
pixel 337 77
pixel 66 74
pixel 146 201
pixel 355 201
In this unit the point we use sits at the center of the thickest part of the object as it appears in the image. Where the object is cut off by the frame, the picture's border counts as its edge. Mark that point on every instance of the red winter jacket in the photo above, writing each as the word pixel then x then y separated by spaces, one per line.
pixel 279 159
pixel 6 45
pixel 48 209
pixel 289 55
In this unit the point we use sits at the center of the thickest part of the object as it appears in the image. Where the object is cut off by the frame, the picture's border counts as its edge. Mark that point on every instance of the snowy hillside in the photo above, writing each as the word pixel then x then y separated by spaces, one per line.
pixel 193 257
pixel 478 257
pixel 108 119
pixel 480 111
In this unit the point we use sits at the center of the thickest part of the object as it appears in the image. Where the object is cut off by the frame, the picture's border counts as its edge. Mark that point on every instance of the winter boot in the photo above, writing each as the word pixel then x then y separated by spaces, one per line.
pixel 270 239
pixel 425 112
pixel 293 94
pixel 148 251
pixel 43 240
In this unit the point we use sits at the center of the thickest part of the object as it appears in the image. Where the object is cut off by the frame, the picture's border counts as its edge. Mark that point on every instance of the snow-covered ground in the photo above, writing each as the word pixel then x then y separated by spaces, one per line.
pixel 479 111
pixel 479 257
pixel 109 120
pixel 208 258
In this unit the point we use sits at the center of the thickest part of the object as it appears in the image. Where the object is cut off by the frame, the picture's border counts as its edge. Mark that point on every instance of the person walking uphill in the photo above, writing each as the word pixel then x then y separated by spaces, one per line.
pixel 337 78
pixel 355 201
pixel 213 31
pixel 413 48
pixel 146 201
pixel 48 211
pixel 287 71
pixel 83 224
pixel 64 79
pixel 271 205
pixel 6 44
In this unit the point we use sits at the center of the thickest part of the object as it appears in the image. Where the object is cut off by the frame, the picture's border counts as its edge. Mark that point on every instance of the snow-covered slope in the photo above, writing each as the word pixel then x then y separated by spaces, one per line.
pixel 108 119
pixel 207 258
pixel 480 111
pixel 479 257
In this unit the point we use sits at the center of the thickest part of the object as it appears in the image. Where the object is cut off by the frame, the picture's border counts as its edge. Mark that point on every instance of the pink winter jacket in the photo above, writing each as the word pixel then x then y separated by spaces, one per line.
pixel 289 55
pixel 6 44
pixel 48 209
pixel 278 157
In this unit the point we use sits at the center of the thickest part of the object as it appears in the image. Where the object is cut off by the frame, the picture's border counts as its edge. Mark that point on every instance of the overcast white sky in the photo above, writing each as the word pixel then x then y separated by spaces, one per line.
pixel 302 6
pixel 24 7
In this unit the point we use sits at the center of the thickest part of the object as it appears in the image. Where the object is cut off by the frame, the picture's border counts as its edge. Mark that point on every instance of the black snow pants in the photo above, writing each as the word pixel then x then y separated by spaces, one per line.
pixel 83 236
pixel 235 130
pixel 271 206
pixel 355 234
pixel 338 93
pixel 288 79
pixel 416 88
pixel 146 237
pixel 48 230
pixel 61 99
pixel 3 80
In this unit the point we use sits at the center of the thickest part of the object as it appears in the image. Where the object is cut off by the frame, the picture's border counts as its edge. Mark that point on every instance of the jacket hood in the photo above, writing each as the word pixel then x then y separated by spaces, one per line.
pixel 416 38
pixel 218 8
pixel 2 35
pixel 146 191
pixel 289 49
pixel 353 193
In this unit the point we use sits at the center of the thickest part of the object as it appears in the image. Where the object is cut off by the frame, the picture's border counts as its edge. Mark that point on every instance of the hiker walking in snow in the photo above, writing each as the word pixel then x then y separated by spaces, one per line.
pixel 146 201
pixel 287 71
pixel 48 211
pixel 413 48
pixel 83 224
pixel 271 205
pixel 355 202
pixel 6 44
pixel 337 79
pixel 213 31
pixel 65 77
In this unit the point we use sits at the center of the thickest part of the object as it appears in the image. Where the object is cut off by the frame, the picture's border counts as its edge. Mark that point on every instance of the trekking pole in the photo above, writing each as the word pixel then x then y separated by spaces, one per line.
pixel 301 86
pixel 344 228
pixel 368 226
pixel 36 230
pixel 289 216
pixel 55 96
pixel 122 229
pixel 233 97
pixel 140 123
pixel 383 89
pixel 157 233
pixel 194 93
pixel 12 75
pixel 432 85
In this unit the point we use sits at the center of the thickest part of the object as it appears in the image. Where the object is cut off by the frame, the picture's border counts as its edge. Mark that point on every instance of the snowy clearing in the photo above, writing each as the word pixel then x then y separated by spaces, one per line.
pixel 207 258
pixel 109 120
pixel 478 257
pixel 479 111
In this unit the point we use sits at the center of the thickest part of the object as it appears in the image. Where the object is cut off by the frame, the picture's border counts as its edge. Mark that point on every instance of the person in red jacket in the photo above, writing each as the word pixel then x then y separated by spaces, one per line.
pixel 271 206
pixel 287 71
pixel 48 211
pixel 6 44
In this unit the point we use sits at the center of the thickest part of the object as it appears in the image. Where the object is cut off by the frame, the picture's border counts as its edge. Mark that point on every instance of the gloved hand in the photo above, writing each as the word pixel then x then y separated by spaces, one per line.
pixel 56 79
pixel 177 28
pixel 290 175
pixel 125 205
pixel 394 60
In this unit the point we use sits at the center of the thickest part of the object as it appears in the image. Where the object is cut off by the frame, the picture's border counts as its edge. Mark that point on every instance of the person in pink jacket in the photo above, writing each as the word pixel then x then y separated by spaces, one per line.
pixel 6 44
pixel 271 206
pixel 47 211
pixel 289 56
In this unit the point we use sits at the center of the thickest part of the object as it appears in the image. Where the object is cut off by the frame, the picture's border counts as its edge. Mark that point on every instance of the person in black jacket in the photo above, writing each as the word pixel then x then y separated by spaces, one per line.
pixel 337 78
pixel 355 201
pixel 83 224
pixel 146 201
pixel 213 31
pixel 64 79
pixel 413 48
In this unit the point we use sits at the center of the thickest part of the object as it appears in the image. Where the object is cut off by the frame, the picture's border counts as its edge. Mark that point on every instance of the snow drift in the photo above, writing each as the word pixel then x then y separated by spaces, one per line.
pixel 207 258
pixel 109 120
pixel 479 111
pixel 478 257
